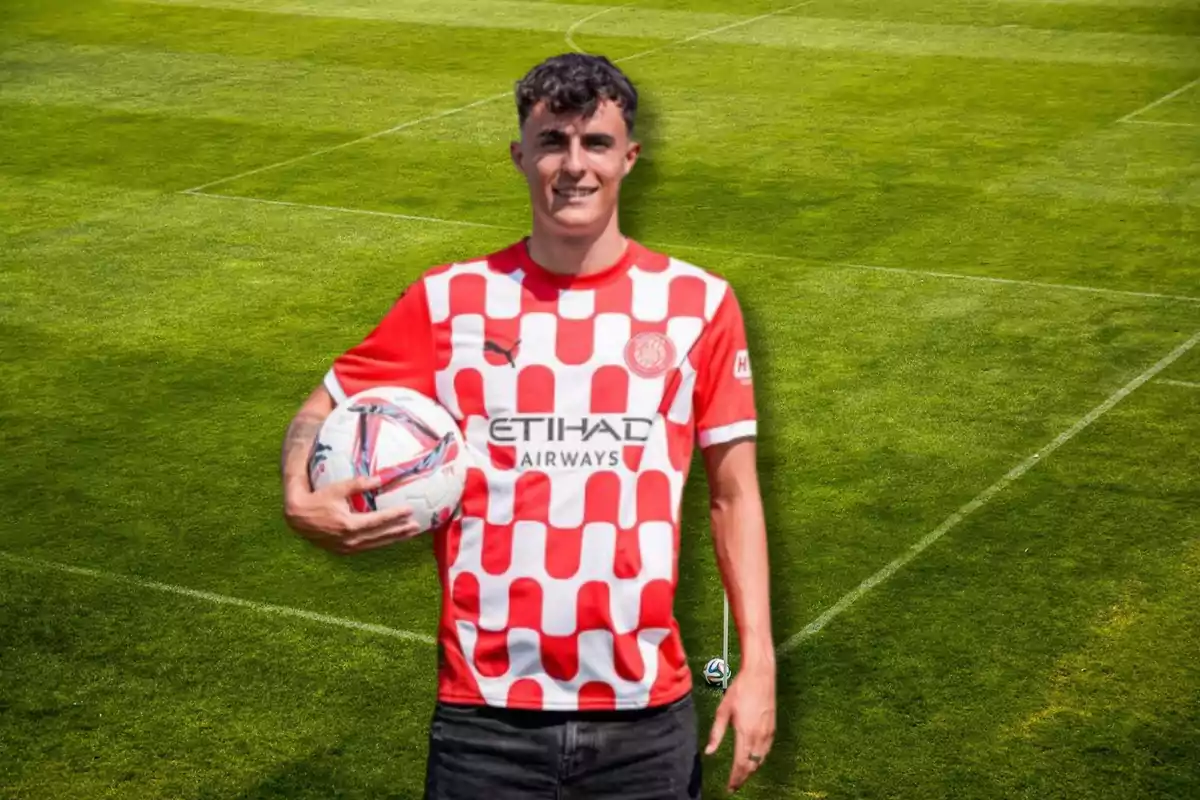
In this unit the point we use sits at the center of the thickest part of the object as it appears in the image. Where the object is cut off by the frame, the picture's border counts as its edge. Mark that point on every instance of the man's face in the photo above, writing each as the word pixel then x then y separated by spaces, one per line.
pixel 574 166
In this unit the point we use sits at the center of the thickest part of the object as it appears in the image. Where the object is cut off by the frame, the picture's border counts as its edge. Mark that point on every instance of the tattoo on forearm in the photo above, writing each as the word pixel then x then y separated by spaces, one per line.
pixel 300 435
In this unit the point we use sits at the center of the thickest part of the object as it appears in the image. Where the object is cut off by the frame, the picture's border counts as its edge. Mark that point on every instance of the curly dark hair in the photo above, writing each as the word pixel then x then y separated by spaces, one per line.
pixel 576 83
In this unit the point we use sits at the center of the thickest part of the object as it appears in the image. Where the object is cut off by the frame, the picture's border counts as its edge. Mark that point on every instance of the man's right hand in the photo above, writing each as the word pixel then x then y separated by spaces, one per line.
pixel 325 518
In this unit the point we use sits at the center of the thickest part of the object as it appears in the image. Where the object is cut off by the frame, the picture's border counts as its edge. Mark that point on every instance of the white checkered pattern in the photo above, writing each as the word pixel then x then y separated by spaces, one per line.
pixel 559 576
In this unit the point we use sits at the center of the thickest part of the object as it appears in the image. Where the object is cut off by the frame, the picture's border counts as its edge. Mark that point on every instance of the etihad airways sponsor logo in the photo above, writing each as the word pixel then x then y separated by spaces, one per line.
pixel 597 429
pixel 564 443
pixel 569 459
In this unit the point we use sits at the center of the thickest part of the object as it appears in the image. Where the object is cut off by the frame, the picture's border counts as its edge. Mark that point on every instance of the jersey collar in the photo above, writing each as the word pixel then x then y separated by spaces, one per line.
pixel 634 255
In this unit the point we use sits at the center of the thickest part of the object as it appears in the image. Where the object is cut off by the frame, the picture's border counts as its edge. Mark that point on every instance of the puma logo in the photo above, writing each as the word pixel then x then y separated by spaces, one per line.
pixel 509 354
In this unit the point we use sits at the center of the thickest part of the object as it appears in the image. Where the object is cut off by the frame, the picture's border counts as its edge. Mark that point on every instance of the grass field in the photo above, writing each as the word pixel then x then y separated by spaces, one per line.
pixel 967 240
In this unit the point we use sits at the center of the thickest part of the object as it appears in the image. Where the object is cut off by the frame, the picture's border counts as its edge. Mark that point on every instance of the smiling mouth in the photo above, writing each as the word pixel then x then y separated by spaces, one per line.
pixel 575 193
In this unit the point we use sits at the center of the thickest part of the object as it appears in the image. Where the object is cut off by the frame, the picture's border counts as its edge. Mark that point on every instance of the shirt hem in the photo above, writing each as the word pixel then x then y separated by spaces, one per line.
pixel 334 387
pixel 587 707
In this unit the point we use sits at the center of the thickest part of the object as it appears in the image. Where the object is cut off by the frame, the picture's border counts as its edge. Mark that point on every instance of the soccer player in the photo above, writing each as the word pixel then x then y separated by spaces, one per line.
pixel 583 368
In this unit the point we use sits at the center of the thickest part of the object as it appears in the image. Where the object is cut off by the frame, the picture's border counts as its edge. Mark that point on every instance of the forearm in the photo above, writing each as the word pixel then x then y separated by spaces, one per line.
pixel 740 541
pixel 298 441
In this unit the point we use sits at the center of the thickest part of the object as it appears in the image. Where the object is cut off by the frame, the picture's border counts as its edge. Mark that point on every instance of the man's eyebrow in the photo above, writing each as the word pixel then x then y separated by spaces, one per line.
pixel 557 136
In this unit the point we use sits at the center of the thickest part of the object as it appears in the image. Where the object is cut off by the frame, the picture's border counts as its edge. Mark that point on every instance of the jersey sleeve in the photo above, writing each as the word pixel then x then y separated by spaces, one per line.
pixel 398 352
pixel 724 395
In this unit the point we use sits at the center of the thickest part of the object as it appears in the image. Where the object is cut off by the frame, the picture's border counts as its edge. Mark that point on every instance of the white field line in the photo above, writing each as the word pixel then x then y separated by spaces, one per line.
pixel 1163 123
pixel 366 627
pixel 739 253
pixel 266 608
pixel 1184 384
pixel 721 29
pixel 987 279
pixel 577 24
pixel 468 106
pixel 1165 98
pixel 359 140
pixel 934 274
pixel 983 497
pixel 341 210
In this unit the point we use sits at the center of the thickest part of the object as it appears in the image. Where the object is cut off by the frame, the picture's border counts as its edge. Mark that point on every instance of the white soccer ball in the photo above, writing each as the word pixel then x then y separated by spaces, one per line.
pixel 716 672
pixel 405 437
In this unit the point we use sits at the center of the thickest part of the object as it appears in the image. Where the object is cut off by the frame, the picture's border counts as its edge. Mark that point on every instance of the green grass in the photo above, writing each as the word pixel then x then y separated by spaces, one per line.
pixel 155 344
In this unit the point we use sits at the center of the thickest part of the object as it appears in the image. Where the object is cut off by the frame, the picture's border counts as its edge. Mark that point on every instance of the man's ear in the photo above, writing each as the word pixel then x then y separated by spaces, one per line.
pixel 631 155
pixel 517 155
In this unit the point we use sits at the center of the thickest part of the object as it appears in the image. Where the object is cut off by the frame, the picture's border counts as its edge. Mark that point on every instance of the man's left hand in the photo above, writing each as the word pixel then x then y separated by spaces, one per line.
pixel 749 705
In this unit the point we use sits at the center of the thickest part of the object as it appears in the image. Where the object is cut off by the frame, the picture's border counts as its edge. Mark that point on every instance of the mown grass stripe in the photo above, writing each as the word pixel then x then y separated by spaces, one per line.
pixel 786 31
pixel 303 95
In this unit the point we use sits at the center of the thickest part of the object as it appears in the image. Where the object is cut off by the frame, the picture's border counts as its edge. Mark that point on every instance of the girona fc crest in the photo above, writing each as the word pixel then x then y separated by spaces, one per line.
pixel 650 354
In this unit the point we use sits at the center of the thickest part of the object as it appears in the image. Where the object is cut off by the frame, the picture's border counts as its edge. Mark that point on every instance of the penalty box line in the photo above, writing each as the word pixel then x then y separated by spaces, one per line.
pixel 851 597
pixel 699 248
pixel 451 112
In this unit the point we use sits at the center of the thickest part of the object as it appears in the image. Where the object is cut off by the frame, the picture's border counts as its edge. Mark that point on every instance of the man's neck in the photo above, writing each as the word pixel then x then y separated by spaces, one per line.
pixel 581 255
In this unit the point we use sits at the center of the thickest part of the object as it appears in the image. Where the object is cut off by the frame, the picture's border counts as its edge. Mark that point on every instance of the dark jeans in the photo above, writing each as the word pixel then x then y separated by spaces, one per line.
pixel 480 753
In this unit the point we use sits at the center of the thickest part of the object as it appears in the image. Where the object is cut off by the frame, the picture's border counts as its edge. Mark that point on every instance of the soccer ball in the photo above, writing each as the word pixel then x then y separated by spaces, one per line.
pixel 403 436
pixel 716 672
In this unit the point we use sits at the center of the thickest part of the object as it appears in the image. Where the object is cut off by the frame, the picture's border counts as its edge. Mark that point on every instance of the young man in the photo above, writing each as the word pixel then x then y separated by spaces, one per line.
pixel 582 368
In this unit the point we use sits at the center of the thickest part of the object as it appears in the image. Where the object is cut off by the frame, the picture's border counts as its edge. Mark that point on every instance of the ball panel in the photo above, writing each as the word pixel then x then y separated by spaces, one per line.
pixel 406 437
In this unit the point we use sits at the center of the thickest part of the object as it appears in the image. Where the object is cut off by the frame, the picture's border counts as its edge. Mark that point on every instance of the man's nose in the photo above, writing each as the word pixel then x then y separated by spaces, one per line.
pixel 573 165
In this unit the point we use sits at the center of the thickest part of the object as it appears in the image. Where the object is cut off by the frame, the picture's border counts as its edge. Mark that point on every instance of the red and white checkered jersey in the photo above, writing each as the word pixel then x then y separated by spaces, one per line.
pixel 581 399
